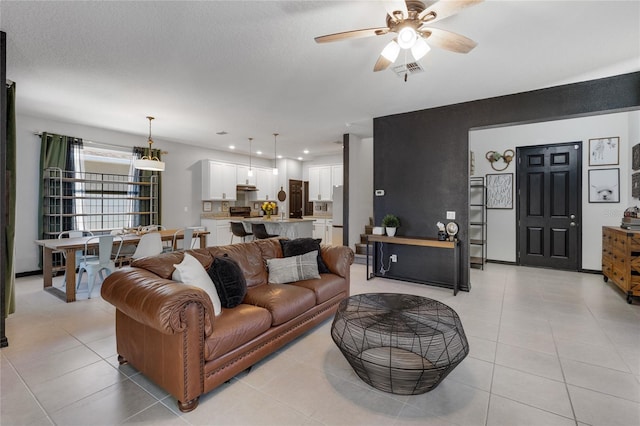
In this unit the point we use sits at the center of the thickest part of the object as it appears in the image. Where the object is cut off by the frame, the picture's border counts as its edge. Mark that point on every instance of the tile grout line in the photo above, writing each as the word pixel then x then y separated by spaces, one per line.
pixel 35 398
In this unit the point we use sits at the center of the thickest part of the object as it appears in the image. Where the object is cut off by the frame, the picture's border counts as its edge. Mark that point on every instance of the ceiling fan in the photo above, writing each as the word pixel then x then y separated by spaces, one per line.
pixel 410 21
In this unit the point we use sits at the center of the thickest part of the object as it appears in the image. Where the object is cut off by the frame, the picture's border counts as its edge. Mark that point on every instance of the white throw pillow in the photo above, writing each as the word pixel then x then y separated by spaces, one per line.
pixel 191 272
pixel 292 269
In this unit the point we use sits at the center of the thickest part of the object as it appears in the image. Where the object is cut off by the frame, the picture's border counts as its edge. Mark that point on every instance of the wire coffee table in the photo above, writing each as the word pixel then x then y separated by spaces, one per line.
pixel 399 343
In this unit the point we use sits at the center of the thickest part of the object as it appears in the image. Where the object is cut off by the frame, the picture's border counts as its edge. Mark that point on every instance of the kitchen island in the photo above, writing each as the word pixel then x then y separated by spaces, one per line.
pixel 289 228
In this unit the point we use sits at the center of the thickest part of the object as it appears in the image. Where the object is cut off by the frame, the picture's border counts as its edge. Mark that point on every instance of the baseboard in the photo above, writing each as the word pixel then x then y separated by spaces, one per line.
pixel 28 274
pixel 501 262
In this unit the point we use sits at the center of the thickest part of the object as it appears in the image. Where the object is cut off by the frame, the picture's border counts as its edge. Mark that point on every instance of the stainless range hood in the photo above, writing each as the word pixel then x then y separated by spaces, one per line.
pixel 246 188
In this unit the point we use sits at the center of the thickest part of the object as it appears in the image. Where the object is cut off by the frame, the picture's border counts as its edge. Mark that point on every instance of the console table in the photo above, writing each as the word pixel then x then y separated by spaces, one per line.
pixel 453 246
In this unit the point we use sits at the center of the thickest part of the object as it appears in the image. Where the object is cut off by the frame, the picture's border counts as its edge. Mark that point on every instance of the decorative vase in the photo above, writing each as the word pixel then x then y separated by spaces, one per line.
pixel 268 215
pixel 391 231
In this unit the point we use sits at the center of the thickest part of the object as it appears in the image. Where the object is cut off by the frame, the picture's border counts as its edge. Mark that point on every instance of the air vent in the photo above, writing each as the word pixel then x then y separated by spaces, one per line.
pixel 410 68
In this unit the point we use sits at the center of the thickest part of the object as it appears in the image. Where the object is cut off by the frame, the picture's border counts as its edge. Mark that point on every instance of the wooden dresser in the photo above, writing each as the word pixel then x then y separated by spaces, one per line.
pixel 621 259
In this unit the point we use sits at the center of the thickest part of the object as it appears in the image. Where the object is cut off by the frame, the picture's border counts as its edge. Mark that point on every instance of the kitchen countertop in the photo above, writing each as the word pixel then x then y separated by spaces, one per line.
pixel 274 220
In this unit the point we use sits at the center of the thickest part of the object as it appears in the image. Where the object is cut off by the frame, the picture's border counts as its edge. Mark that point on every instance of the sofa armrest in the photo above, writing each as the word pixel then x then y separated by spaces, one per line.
pixel 154 301
pixel 337 258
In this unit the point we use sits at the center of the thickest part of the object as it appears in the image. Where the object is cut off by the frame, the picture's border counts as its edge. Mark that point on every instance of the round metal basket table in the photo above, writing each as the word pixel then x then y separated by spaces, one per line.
pixel 399 343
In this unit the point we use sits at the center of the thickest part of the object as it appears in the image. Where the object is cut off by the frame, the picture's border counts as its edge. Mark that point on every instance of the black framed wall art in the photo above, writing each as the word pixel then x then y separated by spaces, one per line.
pixel 604 185
pixel 635 185
pixel 604 151
pixel 500 191
pixel 635 157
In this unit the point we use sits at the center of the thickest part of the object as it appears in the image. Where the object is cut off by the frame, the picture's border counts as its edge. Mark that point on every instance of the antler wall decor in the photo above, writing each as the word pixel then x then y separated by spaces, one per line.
pixel 494 156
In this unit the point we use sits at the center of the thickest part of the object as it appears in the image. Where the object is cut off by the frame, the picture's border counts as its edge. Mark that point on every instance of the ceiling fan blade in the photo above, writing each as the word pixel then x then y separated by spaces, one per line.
pixel 368 32
pixel 396 5
pixel 444 9
pixel 381 64
pixel 448 40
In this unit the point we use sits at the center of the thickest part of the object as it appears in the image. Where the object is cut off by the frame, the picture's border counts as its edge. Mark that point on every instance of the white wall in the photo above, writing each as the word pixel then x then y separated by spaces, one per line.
pixel 360 186
pixel 501 224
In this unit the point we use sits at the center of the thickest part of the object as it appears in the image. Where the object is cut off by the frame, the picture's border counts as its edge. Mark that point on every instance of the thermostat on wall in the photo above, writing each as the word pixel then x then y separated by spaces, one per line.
pixel 379 192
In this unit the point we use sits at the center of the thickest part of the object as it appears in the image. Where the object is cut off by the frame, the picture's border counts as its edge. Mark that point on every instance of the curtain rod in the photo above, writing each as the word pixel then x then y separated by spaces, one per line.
pixel 108 145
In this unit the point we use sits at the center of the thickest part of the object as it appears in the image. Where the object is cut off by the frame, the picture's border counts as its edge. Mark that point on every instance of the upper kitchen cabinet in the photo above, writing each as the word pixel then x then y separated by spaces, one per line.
pixel 320 183
pixel 218 181
pixel 266 183
pixel 242 176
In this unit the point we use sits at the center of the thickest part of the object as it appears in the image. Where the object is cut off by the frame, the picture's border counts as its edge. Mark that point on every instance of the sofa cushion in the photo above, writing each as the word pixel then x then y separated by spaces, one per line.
pixel 228 280
pixel 248 256
pixel 302 246
pixel 162 264
pixel 284 301
pixel 190 271
pixel 327 287
pixel 291 269
pixel 235 327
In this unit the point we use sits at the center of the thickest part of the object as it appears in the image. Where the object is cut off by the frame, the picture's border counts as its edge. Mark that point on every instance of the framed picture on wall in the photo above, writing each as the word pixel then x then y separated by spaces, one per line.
pixel 604 151
pixel 604 186
pixel 635 157
pixel 500 191
pixel 635 185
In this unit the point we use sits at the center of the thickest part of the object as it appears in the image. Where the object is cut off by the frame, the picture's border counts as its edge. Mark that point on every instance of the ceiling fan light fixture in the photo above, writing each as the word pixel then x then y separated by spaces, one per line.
pixel 407 37
pixel 391 51
pixel 420 49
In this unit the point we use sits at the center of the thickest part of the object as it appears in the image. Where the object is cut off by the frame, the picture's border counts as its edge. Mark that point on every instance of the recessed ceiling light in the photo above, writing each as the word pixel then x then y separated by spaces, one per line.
pixel 259 152
pixel 222 133
pixel 306 151
pixel 232 147
pixel 299 158
pixel 279 156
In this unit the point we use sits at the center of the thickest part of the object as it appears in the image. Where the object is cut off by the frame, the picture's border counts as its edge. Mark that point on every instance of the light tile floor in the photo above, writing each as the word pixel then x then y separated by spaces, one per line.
pixel 547 348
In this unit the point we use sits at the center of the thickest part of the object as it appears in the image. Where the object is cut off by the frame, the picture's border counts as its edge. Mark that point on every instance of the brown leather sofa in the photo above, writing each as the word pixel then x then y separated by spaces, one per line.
pixel 168 331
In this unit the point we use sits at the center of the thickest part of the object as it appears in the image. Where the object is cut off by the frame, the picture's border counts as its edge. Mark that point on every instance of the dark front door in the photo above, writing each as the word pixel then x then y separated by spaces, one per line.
pixel 549 188
pixel 295 198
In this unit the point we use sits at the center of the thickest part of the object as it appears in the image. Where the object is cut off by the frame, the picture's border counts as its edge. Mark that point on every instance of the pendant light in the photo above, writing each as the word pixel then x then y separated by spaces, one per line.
pixel 275 153
pixel 149 162
pixel 250 172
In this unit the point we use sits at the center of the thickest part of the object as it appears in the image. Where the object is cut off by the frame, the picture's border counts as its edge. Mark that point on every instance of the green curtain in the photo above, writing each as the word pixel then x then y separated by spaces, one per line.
pixel 53 153
pixel 10 230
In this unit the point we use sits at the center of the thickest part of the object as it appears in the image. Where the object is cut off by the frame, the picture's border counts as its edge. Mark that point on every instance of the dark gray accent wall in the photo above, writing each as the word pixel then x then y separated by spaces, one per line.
pixel 421 160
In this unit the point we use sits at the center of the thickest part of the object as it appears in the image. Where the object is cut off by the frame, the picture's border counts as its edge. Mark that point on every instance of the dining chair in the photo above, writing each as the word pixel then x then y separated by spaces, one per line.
pixel 187 241
pixel 73 234
pixel 100 267
pixel 237 229
pixel 149 245
pixel 260 231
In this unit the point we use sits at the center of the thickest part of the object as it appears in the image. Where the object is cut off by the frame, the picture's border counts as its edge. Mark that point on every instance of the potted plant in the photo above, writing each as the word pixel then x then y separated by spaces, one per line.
pixel 390 222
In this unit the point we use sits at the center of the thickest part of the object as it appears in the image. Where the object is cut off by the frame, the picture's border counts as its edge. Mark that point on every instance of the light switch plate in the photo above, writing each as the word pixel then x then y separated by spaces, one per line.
pixel 451 215
pixel 379 192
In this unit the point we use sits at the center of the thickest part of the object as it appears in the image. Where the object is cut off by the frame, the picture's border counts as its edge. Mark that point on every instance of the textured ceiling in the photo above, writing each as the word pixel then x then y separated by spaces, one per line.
pixel 252 68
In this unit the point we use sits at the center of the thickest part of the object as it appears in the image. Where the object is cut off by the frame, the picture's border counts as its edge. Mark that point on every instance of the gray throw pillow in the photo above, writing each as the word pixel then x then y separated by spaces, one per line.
pixel 291 269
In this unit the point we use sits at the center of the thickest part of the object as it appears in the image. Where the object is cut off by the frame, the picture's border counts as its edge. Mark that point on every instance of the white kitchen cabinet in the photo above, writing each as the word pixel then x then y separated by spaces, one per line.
pixel 218 181
pixel 337 177
pixel 219 231
pixel 242 175
pixel 320 186
pixel 323 229
pixel 265 182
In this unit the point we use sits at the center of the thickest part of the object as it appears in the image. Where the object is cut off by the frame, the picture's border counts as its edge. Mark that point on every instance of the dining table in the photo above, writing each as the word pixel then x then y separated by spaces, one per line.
pixel 69 246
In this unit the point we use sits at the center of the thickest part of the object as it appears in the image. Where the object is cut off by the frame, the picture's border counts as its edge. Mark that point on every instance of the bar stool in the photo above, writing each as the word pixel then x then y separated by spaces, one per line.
pixel 237 229
pixel 260 231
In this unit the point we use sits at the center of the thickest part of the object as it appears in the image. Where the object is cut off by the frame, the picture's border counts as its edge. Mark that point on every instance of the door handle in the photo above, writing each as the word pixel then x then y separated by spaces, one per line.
pixel 572 224
pixel 573 216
